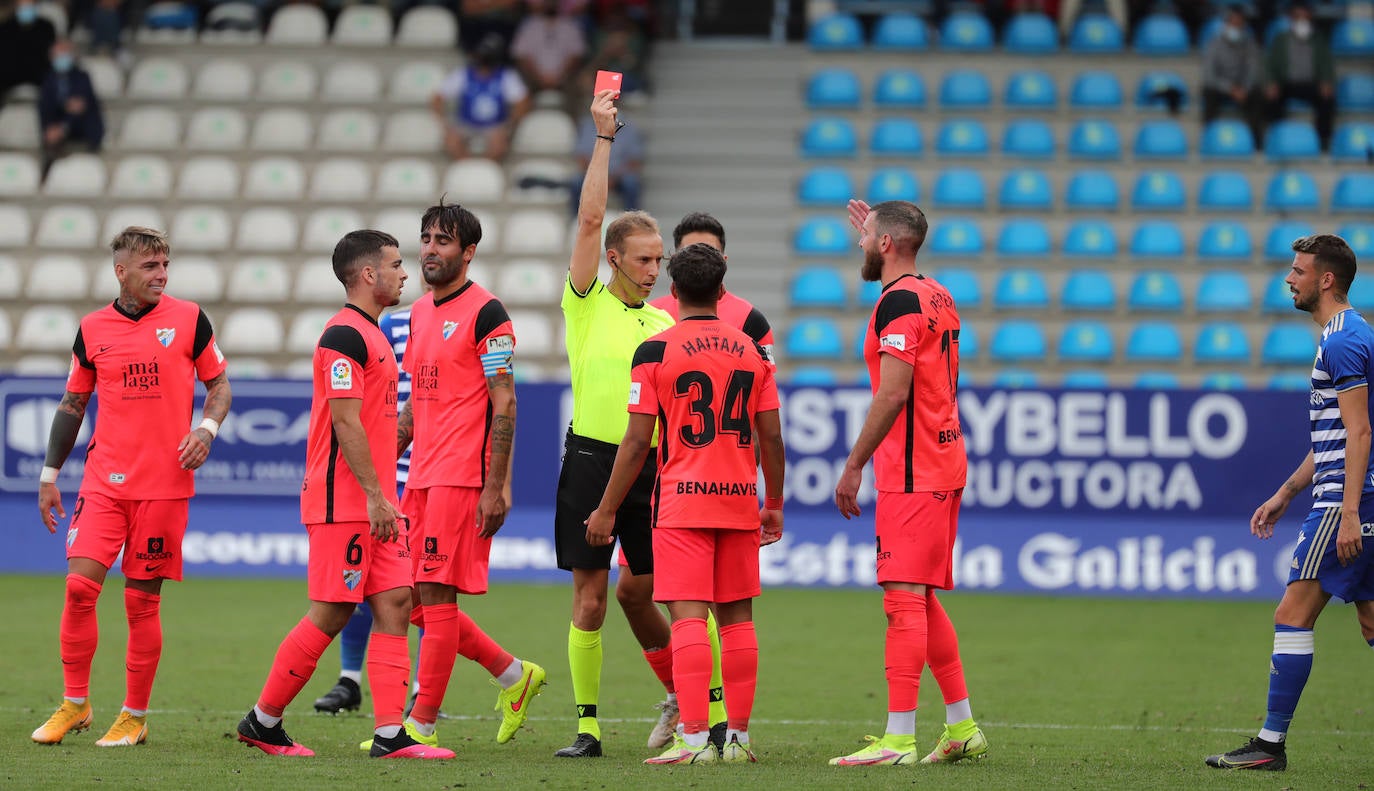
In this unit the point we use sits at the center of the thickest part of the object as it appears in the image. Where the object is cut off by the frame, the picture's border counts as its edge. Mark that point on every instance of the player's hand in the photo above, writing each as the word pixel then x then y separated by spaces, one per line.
pixel 858 212
pixel 604 113
pixel 194 449
pixel 1263 520
pixel 600 526
pixel 384 518
pixel 1348 542
pixel 50 500
pixel 847 492
pixel 771 523
pixel 492 508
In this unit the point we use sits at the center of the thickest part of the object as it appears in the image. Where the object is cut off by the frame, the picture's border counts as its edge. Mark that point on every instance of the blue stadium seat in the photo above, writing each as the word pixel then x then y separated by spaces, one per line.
pixel 899 89
pixel 1223 380
pixel 1355 93
pixel 1018 341
pixel 1086 340
pixel 814 339
pixel 1155 292
pixel 1154 341
pixel 1157 239
pixel 818 287
pixel 1026 188
pixel 1361 291
pixel 960 188
pixel 829 137
pixel 1210 30
pixel 1094 139
pixel 962 285
pixel 833 89
pixel 1278 244
pixel 1277 297
pixel 969 347
pixel 1161 35
pixel 1091 190
pixel 956 236
pixel 1095 90
pixel 1222 292
pixel 964 31
pixel 1290 380
pixel 1090 239
pixel 962 138
pixel 1158 190
pixel 1031 34
pixel 896 137
pixel 1025 238
pixel 1150 91
pixel 1227 138
pixel 812 376
pixel 1289 344
pixel 1353 141
pixel 892 184
pixel 1291 140
pixel 1291 190
pixel 170 16
pixel 1353 37
pixel 1031 90
pixel 825 187
pixel 1084 380
pixel 1015 379
pixel 1353 192
pixel 869 291
pixel 1088 289
pixel 965 89
pixel 901 33
pixel 1161 139
pixel 1360 237
pixel 1157 380
pixel 836 32
pixel 1021 289
pixel 1225 190
pixel 1221 342
pixel 1095 34
pixel 822 236
pixel 1028 138
pixel 1224 240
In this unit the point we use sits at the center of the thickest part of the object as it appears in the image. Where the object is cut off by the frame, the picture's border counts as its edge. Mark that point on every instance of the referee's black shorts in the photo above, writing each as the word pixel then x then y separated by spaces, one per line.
pixel 586 470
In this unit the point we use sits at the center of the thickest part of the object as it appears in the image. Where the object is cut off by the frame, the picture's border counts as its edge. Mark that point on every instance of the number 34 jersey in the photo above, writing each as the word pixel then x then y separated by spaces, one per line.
pixel 916 321
pixel 706 382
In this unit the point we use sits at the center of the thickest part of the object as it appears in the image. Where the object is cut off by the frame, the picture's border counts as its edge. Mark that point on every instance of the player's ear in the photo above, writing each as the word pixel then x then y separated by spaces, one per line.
pixel 720 292
pixel 672 289
pixel 469 253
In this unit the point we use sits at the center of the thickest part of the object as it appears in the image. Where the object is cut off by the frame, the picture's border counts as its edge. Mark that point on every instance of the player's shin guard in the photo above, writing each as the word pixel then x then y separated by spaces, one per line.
pixel 692 672
pixel 476 645
pixel 905 649
pixel 293 665
pixel 438 651
pixel 388 676
pixel 739 664
pixel 145 647
pixel 1289 667
pixel 584 661
pixel 78 633
pixel 353 640
pixel 661 662
pixel 942 652
pixel 717 679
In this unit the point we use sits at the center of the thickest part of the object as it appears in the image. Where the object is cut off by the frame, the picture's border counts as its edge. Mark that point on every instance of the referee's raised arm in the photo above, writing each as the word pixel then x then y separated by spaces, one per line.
pixel 591 209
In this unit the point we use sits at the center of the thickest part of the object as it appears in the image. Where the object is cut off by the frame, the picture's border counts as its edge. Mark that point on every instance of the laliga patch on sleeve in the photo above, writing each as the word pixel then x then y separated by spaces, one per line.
pixel 634 393
pixel 341 375
pixel 894 340
pixel 219 355
pixel 501 343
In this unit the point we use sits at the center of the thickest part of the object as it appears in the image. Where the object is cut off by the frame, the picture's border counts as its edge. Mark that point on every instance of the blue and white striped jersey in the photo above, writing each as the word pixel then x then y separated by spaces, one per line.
pixel 1344 358
pixel 396 327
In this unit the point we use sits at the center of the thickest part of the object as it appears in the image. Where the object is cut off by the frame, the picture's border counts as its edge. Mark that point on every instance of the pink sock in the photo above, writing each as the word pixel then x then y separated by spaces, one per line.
pixel 292 666
pixel 78 634
pixel 145 647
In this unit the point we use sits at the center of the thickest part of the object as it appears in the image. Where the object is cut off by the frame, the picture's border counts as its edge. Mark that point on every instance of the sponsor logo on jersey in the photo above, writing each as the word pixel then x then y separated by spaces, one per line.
pixel 895 340
pixel 117 477
pixel 449 327
pixel 341 375
pixel 165 335
pixel 156 550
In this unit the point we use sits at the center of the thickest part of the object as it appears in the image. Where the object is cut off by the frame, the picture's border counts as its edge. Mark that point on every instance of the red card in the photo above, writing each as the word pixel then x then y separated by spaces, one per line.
pixel 607 81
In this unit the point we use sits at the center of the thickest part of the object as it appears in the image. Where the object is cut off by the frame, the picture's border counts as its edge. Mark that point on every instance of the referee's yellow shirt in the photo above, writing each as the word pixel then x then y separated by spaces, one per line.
pixel 603 334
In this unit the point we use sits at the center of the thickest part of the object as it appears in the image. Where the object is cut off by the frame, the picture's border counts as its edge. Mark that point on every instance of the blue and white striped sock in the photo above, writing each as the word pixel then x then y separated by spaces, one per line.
pixel 1289 668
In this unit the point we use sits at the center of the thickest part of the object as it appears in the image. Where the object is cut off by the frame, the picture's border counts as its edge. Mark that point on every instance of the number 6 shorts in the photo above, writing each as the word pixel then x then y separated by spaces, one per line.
pixel 347 564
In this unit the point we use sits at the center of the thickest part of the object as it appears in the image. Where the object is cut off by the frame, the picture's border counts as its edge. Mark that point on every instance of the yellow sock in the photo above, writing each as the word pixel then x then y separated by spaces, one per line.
pixel 584 660
pixel 717 709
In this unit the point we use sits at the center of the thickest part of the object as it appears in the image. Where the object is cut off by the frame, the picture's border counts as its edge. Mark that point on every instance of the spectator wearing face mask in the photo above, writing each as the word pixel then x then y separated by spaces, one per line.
pixel 1231 73
pixel 488 99
pixel 25 39
pixel 1298 65
pixel 68 109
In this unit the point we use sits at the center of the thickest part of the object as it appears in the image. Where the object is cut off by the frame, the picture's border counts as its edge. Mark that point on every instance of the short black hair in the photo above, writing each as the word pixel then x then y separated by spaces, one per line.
pixel 904 222
pixel 698 222
pixel 453 220
pixel 697 270
pixel 354 248
pixel 1331 254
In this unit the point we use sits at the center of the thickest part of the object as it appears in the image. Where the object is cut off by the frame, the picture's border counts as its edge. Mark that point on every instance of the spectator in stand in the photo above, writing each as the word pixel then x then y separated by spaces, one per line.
pixel 68 109
pixel 106 24
pixel 25 39
pixel 619 46
pixel 626 164
pixel 1298 65
pixel 549 45
pixel 488 99
pixel 1231 73
pixel 478 19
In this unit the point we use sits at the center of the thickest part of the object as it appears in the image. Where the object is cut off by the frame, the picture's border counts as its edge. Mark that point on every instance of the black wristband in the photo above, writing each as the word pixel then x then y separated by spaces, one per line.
pixel 606 137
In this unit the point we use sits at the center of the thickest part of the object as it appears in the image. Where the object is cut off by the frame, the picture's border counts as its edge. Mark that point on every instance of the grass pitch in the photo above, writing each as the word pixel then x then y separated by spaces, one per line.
pixel 1072 693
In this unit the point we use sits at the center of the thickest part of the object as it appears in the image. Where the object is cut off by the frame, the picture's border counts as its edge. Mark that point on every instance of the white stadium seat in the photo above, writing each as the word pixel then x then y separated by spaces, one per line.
pixel 226 79
pixel 18 175
pixel 545 133
pixel 404 224
pixel 549 170
pixel 217 129
pixel 267 230
pixel 250 331
pixel 15 228
pixel 480 272
pixel 275 179
pixel 11 279
pixel 325 227
pixel 282 129
pixel 530 281
pixel 413 131
pixel 201 229
pixel 356 81
pixel 142 177
pixel 302 368
pixel 341 179
pixel 239 367
pixel 67 227
pixel 43 364
pixel 414 82
pixel 257 279
pixel 19 126
pixel 306 328
pixel 107 78
pixel 6 330
pixel 76 176
pixel 348 130
pixel 491 230
pixel 316 283
pixel 234 23
pixel 298 25
pixel 535 232
pixel 196 278
pixel 47 328
pixel 287 81
pixel 534 334
pixel 158 78
pixel 57 278
pixel 407 180
pixel 56 14
pixel 363 26
pixel 475 181
pixel 208 178
pixel 150 128
pixel 428 26
pixel 122 217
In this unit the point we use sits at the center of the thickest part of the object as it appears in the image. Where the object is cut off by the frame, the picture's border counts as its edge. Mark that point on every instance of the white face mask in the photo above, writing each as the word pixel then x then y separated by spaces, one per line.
pixel 1302 28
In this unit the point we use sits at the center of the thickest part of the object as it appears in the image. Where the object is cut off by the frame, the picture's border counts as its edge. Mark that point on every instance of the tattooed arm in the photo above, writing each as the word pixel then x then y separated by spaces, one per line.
pixel 405 429
pixel 66 425
pixel 194 448
pixel 493 505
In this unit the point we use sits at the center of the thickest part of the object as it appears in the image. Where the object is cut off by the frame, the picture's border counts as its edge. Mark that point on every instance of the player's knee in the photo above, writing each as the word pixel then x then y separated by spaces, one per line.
pixel 904 609
pixel 630 595
pixel 82 591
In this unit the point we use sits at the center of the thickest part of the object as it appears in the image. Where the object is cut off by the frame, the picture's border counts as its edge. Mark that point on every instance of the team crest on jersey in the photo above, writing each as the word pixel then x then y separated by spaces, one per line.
pixel 340 375
pixel 352 577
pixel 165 335
pixel 71 537
pixel 449 327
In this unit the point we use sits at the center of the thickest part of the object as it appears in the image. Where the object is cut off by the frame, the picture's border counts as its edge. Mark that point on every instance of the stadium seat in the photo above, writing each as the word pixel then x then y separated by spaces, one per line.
pixel 1161 35
pixel 1090 239
pixel 1028 138
pixel 813 339
pixel 216 129
pixel 1155 292
pixel 1153 341
pixel 316 284
pixel 356 82
pixel 825 186
pixel 158 79
pixel 1290 380
pixel 821 236
pixel 138 177
pixel 535 232
pixel 15 228
pixel 1355 93
pixel 325 227
pixel 348 130
pixel 287 81
pixel 406 180
pixel 251 331
pixel 298 25
pixel 47 328
pixel 1353 142
pixel 208 178
pixel 267 230
pixel 1095 90
pixel 1291 191
pixel 1015 379
pixel 891 183
pixel 1361 291
pixel 1031 90
pixel 1161 139
pixel 274 179
pixel 1026 188
pixel 959 188
pixel 812 376
pixel 235 22
pixel 1094 139
pixel 107 76
pixel 1227 138
pixel 835 33
pixel 1018 341
pixel 1224 240
pixel 1088 289
pixel 965 89
pixel 868 293
pixel 966 31
pixel 427 26
pixel 1291 140
pixel 1277 297
pixel 962 285
pixel 477 181
pixel 1084 380
pixel 126 215
pixel 362 26
pixel 828 137
pixel 1223 380
pixel 19 126
pixel 530 282
pixel 413 82
pixel 1289 344
pixel 1021 289
pixel 1221 342
pixel 962 138
pixel 896 137
pixel 1030 34
pixel 148 128
pixel 1223 292
pixel 1353 37
pixel 1154 88
pixel 201 279
pixel 834 89
pixel 1023 238
pixel 1225 190
pixel 1360 237
pixel 257 279
pixel 224 79
pixel 1095 34
pixel 1158 190
pixel 969 346
pixel 1157 239
pixel 818 287
pixel 1354 192
pixel 67 227
pixel 1278 244
pixel 545 132
pixel 1091 190
pixel 898 32
pixel 340 179
pixel 956 236
pixel 899 89
pixel 1086 341
pixel 76 176
pixel 57 278
pixel 1157 380
pixel 401 223
pixel 413 132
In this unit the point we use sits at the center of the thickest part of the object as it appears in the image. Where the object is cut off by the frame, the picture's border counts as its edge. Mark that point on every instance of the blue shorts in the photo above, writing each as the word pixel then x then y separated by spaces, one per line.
pixel 1314 558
